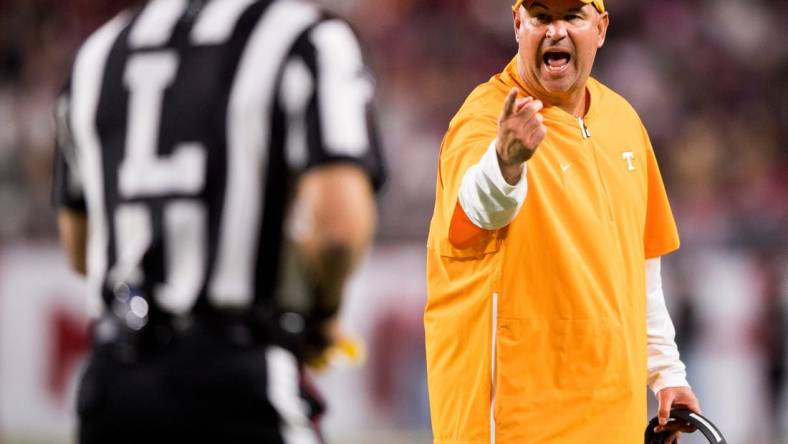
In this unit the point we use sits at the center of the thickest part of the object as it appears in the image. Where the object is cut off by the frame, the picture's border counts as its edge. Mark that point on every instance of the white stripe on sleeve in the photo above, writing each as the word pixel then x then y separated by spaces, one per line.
pixel 297 89
pixel 344 89
pixel 485 196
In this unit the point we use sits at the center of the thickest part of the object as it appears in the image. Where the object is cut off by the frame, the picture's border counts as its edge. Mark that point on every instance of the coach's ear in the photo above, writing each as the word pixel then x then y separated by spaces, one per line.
pixel 73 227
pixel 602 24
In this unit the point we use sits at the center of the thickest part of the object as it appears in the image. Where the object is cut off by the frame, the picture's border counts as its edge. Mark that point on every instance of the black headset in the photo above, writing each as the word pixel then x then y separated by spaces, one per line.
pixel 709 430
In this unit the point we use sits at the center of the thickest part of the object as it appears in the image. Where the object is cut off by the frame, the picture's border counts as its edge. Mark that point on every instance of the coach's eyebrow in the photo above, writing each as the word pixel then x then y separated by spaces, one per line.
pixel 576 9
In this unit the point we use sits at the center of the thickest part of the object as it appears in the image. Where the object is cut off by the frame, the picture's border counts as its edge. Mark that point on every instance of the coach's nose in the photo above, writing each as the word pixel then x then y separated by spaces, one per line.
pixel 556 30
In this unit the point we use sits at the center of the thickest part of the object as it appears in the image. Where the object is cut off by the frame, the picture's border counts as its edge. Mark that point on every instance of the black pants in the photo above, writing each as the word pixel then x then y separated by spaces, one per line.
pixel 200 388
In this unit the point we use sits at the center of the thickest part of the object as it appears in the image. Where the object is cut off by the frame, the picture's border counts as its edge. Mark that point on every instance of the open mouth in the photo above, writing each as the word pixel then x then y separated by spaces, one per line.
pixel 556 60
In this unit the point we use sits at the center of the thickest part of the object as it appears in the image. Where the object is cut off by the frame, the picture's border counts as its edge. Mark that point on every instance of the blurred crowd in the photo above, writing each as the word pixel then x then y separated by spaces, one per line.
pixel 708 77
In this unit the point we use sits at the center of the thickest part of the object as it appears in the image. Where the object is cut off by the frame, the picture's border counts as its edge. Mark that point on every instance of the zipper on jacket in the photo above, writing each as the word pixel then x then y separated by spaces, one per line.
pixel 584 131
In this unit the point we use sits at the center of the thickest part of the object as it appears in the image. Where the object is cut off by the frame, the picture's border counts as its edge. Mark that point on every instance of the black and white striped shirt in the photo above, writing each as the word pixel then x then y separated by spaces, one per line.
pixel 189 122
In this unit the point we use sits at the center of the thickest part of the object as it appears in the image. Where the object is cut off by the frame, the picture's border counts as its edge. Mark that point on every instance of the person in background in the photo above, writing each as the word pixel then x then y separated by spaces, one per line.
pixel 215 183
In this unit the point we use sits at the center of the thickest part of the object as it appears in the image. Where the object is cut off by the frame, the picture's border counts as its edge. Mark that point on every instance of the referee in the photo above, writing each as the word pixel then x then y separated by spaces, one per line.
pixel 214 178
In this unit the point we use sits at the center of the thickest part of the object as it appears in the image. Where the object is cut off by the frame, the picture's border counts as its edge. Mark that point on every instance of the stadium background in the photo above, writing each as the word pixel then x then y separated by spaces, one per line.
pixel 709 78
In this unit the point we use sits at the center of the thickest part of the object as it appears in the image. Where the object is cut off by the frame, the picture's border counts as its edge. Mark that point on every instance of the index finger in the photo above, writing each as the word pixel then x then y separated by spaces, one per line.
pixel 508 105
pixel 663 413
pixel 520 104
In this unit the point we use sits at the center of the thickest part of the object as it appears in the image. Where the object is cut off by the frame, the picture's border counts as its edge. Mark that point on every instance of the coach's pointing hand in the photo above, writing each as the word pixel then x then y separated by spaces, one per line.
pixel 520 131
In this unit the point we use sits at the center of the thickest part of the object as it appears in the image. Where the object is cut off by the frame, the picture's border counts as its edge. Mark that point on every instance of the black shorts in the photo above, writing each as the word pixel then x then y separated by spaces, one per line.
pixel 200 388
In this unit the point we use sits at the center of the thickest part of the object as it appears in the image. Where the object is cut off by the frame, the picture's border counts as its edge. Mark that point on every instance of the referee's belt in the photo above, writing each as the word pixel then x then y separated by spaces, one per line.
pixel 129 341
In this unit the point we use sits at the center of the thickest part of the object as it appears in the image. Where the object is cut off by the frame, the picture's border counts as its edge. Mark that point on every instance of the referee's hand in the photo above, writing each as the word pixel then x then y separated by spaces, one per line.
pixel 669 398
pixel 520 131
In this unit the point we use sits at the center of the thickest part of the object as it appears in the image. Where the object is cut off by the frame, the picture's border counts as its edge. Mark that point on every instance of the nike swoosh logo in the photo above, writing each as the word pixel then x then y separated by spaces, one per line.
pixel 564 168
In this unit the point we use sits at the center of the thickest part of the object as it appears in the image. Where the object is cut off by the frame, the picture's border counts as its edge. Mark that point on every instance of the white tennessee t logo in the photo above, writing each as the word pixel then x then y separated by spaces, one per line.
pixel 628 156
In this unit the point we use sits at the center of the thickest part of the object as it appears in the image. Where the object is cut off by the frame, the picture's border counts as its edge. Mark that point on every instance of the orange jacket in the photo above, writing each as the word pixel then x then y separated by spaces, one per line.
pixel 536 333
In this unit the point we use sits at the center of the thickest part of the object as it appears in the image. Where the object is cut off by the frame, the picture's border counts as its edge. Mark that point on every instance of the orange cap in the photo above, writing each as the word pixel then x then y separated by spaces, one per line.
pixel 598 4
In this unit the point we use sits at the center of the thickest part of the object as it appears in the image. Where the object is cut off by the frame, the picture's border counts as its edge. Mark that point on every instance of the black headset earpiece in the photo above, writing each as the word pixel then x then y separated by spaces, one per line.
pixel 704 426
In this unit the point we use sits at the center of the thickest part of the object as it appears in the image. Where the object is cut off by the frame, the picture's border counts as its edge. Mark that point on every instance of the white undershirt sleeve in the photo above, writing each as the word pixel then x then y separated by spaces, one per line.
pixel 485 196
pixel 665 368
